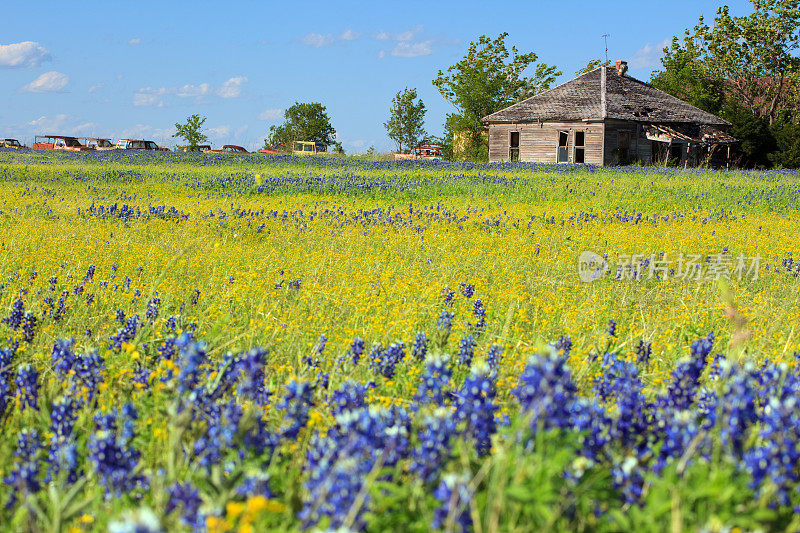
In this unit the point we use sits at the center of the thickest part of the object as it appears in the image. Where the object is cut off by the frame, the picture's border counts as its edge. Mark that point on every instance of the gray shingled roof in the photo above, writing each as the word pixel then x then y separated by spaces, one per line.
pixel 590 96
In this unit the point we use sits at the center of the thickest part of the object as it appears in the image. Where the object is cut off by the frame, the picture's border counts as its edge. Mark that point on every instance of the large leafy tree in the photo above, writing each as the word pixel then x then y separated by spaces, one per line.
pixel 192 131
pixel 303 122
pixel 488 78
pixel 406 120
pixel 753 57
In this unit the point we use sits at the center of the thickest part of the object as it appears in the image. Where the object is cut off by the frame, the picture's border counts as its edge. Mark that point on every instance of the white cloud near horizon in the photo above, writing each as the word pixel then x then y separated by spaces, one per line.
pixel 648 56
pixel 405 49
pixel 271 115
pixel 27 54
pixel 49 82
pixel 232 88
pixel 135 41
pixel 318 40
pixel 154 96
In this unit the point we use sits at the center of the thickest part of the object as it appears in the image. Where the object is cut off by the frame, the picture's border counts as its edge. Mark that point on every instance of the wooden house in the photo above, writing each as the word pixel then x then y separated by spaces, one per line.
pixel 605 117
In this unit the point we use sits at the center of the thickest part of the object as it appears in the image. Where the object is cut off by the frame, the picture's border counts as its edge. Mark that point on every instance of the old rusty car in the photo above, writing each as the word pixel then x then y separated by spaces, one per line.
pixel 229 149
pixel 10 143
pixel 198 148
pixel 59 142
pixel 138 144
pixel 97 143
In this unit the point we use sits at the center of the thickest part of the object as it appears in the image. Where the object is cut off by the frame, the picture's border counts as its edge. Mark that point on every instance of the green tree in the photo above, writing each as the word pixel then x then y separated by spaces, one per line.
pixel 591 65
pixel 488 78
pixel 406 120
pixel 687 76
pixel 303 122
pixel 754 56
pixel 191 132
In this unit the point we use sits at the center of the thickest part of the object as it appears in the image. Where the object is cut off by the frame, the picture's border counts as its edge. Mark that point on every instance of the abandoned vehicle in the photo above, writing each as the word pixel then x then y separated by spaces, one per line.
pixel 604 117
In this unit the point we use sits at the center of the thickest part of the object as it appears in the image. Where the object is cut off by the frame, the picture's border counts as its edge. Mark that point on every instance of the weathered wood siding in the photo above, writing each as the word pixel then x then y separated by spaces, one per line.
pixel 539 142
pixel 639 147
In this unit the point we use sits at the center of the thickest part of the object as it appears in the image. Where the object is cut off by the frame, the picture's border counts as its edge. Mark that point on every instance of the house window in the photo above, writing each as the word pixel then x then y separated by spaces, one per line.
pixel 580 148
pixel 624 145
pixel 513 146
pixel 563 153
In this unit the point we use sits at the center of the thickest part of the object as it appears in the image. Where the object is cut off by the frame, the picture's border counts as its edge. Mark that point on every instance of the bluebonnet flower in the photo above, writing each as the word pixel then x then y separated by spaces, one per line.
pixel 494 356
pixel 191 361
pixel 250 365
pixel 480 313
pixel 89 274
pixel 383 362
pixel 112 453
pixel 29 322
pixel 643 351
pixel 27 386
pixel 121 316
pixel 612 328
pixel 14 320
pixel 627 477
pixel 563 345
pixel 222 426
pixel 339 463
pixel 433 450
pixel 351 395
pixel 455 496
pixel 24 475
pixel 420 348
pixel 356 350
pixel 195 297
pixel 186 498
pixel 294 285
pixel 445 322
pixel 682 389
pixel 321 343
pixel 53 283
pixel 296 406
pixel 467 289
pixel 475 405
pixel 152 308
pixel 447 296
pixel 466 350
pixel 256 484
pixel 546 390
pixel 6 361
pixel 63 448
pixel 125 334
pixel 435 381
pixel 590 420
pixel 620 382
pixel 63 357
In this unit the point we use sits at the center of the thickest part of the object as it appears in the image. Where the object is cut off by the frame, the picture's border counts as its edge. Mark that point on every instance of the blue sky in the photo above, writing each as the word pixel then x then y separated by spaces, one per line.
pixel 133 69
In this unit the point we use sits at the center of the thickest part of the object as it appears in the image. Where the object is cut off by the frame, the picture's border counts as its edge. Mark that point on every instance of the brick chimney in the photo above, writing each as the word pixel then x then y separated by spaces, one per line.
pixel 622 67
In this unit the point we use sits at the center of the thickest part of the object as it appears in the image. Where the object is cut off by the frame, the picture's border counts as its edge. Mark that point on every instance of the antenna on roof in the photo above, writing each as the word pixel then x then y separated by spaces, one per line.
pixel 605 37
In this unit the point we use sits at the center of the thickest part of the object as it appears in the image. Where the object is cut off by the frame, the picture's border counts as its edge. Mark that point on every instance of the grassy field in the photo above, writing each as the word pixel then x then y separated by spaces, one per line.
pixel 272 343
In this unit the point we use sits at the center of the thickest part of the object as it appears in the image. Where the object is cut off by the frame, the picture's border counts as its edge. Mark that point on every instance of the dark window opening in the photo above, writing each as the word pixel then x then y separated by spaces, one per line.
pixel 563 153
pixel 675 153
pixel 580 147
pixel 513 146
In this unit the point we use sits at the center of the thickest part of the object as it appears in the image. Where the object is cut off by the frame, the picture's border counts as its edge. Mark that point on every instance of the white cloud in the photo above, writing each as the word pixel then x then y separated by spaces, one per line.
pixel 358 143
pixel 27 54
pixel 192 91
pixel 50 123
pixel 49 82
pixel 381 54
pixel 147 132
pixel 648 56
pixel 349 35
pixel 87 128
pixel 318 40
pixel 220 131
pixel 134 42
pixel 271 115
pixel 382 36
pixel 94 88
pixel 406 49
pixel 232 88
pixel 147 100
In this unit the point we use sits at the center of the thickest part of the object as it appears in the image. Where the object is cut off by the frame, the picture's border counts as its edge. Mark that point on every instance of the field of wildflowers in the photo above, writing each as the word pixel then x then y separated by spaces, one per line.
pixel 230 343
